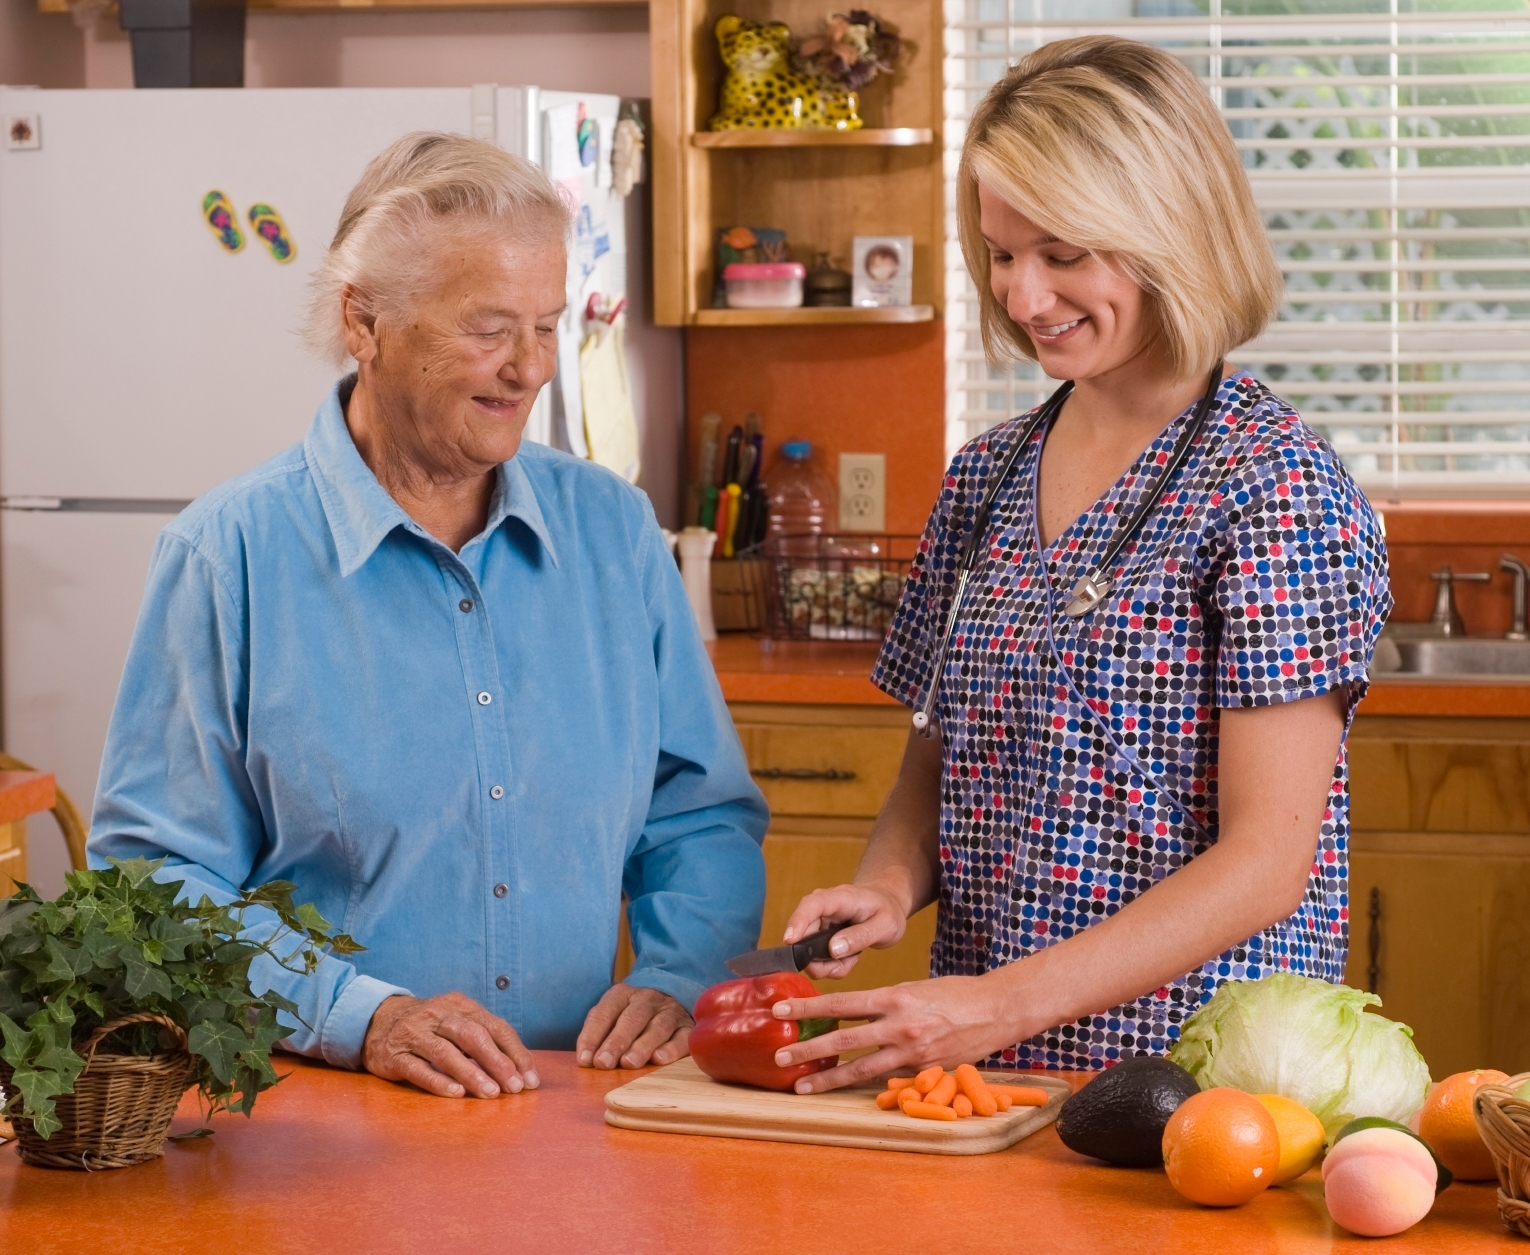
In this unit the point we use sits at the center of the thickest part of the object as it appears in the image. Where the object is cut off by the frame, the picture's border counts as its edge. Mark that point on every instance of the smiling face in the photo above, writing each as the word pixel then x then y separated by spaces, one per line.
pixel 1085 318
pixel 455 374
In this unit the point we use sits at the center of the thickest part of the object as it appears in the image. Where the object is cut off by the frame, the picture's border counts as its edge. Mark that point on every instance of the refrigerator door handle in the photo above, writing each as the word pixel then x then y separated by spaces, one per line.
pixel 97 505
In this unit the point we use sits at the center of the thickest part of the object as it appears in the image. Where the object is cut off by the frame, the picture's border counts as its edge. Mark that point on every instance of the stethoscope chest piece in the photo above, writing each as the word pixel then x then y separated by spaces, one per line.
pixel 1088 593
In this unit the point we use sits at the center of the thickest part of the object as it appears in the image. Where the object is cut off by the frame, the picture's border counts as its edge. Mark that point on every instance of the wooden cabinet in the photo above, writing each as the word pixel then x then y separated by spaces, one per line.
pixel 825 770
pixel 1440 884
pixel 821 187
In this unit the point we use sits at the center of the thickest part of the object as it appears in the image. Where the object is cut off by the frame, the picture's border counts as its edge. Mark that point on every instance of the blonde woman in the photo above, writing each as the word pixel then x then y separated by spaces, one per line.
pixel 1139 620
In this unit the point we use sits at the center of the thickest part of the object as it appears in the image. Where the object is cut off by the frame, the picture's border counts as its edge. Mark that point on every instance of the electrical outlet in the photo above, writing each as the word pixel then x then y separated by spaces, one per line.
pixel 863 492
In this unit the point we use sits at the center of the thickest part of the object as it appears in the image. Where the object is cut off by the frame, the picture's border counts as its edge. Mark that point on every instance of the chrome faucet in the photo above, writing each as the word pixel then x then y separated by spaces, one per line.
pixel 1521 572
pixel 1446 619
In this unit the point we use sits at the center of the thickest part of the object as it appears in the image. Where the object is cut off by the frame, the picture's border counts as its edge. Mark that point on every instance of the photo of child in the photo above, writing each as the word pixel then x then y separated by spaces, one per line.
pixel 882 263
pixel 882 271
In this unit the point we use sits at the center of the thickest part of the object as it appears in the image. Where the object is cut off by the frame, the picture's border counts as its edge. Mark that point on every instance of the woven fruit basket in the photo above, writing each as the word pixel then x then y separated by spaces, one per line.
pixel 1504 1122
pixel 121 1107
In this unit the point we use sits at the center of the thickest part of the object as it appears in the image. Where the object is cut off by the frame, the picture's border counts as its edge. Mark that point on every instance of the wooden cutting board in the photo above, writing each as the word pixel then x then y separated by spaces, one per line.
pixel 681 1098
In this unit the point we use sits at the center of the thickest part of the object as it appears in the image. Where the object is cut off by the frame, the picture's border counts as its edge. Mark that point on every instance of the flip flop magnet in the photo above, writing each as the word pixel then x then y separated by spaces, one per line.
pixel 268 225
pixel 222 221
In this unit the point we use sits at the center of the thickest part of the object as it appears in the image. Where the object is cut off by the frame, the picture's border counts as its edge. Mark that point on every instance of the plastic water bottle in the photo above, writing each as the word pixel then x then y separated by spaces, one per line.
pixel 802 498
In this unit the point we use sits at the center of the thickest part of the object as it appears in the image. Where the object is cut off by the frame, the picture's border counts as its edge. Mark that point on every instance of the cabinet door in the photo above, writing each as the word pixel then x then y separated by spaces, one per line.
pixel 1451 944
pixel 805 769
pixel 797 864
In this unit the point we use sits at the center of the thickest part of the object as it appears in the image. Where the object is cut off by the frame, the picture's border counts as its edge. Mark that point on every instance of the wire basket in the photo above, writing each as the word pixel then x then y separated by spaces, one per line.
pixel 833 588
pixel 121 1107
pixel 1504 1122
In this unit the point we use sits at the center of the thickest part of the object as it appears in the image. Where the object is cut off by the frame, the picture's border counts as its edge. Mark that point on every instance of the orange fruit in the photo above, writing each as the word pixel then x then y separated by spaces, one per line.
pixel 1221 1148
pixel 1300 1132
pixel 1446 1123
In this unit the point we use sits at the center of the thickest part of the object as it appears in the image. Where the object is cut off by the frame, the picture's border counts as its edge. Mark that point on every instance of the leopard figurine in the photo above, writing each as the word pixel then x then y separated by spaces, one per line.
pixel 762 89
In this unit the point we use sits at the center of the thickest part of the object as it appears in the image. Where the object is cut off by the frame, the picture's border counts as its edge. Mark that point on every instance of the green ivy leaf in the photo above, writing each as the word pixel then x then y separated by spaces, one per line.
pixel 219 1042
pixel 143 982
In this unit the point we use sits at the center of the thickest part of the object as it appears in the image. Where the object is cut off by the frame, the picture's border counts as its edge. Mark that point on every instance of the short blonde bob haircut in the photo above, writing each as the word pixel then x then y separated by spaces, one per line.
pixel 1114 146
pixel 425 187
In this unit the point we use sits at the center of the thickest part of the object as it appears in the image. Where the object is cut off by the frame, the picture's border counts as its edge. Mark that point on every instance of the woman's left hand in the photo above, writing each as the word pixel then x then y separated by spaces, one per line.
pixel 949 1020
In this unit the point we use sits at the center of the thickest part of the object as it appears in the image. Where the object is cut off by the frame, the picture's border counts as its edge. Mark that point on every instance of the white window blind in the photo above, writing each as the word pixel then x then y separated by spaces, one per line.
pixel 1388 144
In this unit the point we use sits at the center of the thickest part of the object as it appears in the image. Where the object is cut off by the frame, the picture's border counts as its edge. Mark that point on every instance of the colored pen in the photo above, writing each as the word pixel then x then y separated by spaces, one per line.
pixel 734 492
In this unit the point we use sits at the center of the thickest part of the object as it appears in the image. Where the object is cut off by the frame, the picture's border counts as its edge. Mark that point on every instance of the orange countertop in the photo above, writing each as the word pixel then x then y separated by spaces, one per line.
pixel 1492 696
pixel 834 673
pixel 828 673
pixel 336 1162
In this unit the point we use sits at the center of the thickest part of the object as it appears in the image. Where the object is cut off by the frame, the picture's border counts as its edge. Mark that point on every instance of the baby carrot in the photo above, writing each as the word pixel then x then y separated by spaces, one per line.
pixel 928 1111
pixel 943 1093
pixel 929 1078
pixel 1023 1095
pixel 972 1085
pixel 887 1099
pixel 1004 1100
pixel 899 1082
pixel 907 1095
pixel 962 1105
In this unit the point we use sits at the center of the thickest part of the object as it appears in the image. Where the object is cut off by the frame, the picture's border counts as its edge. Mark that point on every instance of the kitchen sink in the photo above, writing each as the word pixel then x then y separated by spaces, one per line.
pixel 1452 656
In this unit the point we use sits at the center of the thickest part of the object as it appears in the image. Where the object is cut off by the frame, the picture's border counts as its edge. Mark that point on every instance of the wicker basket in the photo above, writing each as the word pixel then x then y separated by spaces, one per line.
pixel 1504 1122
pixel 121 1107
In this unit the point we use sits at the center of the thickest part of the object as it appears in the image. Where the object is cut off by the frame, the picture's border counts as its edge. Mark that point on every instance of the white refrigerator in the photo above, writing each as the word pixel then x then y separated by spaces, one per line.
pixel 143 360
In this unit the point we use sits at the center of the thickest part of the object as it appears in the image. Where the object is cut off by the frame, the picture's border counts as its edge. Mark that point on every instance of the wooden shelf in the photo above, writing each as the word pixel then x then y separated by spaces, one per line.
pixel 822 187
pixel 810 316
pixel 813 137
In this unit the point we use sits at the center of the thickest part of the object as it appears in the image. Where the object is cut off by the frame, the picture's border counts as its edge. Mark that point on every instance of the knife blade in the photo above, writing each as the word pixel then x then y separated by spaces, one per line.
pixel 791 958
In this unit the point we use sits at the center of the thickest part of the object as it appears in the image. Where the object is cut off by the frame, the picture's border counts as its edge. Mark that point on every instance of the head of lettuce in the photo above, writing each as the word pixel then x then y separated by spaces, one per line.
pixel 1309 1041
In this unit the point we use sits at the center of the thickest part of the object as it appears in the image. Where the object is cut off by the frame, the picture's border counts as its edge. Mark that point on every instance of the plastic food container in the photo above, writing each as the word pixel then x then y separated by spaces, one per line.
pixel 764 285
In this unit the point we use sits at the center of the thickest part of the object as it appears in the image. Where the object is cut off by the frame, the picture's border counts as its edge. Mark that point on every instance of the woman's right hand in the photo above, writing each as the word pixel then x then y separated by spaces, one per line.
pixel 876 918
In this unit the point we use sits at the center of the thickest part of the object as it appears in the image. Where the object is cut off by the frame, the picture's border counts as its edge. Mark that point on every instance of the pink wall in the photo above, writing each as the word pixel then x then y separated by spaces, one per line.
pixel 45 50
pixel 601 49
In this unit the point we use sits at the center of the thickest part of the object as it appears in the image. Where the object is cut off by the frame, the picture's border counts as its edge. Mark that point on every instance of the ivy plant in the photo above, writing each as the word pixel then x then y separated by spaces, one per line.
pixel 117 942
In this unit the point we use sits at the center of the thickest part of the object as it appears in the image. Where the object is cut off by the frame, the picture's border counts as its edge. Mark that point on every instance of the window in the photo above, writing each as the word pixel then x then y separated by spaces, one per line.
pixel 1388 150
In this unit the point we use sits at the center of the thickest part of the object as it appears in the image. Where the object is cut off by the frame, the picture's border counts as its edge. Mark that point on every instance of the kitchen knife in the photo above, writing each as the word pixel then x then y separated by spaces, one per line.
pixel 792 958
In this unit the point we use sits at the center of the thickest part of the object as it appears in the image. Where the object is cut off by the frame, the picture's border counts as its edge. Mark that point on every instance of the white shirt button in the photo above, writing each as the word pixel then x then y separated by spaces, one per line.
pixel 484 699
pixel 496 793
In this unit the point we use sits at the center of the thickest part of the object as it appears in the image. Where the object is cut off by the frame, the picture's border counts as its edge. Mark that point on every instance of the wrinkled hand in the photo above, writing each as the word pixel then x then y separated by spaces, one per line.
pixel 448 1046
pixel 629 1027
pixel 950 1020
pixel 876 917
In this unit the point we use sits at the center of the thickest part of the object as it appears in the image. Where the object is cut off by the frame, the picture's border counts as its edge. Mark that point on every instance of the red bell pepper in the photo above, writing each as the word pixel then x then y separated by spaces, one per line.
pixel 736 1037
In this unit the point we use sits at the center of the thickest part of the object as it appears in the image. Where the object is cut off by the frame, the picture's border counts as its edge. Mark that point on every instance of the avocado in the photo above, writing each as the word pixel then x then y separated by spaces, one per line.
pixel 1120 1115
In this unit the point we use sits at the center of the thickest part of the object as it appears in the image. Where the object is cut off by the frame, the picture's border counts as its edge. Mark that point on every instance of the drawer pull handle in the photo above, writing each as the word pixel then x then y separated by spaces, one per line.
pixel 801 773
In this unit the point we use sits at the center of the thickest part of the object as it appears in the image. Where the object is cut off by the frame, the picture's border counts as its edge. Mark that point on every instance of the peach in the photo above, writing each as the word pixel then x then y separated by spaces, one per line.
pixel 1378 1182
pixel 1391 1142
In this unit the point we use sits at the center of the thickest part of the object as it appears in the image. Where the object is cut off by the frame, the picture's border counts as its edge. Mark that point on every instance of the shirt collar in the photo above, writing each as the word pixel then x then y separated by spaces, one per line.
pixel 360 510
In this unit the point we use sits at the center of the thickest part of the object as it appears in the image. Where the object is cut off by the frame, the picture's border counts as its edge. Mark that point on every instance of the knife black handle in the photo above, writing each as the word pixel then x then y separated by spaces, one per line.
pixel 814 948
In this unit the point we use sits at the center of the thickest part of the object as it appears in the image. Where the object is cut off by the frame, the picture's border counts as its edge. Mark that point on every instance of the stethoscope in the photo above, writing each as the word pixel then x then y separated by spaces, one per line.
pixel 1091 589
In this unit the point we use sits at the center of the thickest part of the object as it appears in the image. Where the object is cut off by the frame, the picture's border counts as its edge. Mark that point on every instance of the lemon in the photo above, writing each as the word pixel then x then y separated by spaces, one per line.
pixel 1301 1136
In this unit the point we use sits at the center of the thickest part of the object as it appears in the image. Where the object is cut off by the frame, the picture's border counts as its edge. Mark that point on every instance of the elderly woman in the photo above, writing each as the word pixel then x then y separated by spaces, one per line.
pixel 446 682
pixel 1138 624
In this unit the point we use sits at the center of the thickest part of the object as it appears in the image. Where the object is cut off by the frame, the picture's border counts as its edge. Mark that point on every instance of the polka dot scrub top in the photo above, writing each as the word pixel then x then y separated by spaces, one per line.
pixel 1073 784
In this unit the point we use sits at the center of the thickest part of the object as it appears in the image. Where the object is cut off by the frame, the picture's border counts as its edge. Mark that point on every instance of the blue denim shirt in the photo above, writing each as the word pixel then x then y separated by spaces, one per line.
pixel 463 760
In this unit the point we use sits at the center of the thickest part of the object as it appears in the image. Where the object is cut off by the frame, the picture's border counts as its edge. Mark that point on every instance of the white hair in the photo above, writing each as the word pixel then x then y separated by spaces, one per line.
pixel 425 187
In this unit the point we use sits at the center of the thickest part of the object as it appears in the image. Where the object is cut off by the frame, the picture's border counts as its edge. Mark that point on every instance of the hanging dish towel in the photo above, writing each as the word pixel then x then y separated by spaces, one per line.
pixel 610 425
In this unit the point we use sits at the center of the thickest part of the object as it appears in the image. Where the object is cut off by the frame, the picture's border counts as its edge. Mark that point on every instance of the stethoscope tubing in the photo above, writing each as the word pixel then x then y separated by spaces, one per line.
pixel 1092 588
